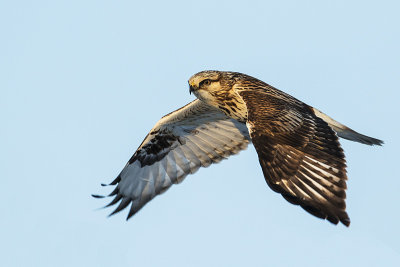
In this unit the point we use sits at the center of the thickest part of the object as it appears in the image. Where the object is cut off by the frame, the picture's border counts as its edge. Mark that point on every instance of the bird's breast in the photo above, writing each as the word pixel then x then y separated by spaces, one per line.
pixel 228 102
pixel 234 107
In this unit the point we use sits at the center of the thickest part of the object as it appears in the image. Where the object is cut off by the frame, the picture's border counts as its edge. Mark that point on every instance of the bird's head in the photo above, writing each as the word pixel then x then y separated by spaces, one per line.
pixel 207 85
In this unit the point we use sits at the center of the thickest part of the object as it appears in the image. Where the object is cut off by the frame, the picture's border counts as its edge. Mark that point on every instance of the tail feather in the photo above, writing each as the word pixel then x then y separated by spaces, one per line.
pixel 345 132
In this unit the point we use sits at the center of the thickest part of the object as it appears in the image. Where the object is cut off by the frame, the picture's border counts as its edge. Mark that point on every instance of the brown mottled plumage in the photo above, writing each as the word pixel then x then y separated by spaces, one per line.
pixel 297 145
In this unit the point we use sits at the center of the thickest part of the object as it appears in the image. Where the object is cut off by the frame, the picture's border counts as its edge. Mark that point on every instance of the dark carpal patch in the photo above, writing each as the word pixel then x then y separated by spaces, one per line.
pixel 157 148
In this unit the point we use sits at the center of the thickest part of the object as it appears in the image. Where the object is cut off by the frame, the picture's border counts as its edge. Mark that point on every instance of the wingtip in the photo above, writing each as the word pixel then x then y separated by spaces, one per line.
pixel 116 181
pixel 344 219
pixel 121 206
pixel 133 210
pixel 97 196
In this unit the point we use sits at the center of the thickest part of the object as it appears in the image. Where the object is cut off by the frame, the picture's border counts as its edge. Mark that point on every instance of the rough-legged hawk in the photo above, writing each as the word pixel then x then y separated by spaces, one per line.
pixel 297 145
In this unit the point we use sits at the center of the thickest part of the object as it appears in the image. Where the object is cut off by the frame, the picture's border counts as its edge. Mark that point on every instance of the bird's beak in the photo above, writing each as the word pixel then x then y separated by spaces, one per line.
pixel 191 89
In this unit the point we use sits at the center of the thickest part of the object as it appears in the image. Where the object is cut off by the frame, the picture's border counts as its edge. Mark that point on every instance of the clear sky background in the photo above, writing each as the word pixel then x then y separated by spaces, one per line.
pixel 82 82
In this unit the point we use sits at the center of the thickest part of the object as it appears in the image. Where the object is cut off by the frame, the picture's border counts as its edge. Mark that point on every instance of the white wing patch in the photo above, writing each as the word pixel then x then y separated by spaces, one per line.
pixel 194 136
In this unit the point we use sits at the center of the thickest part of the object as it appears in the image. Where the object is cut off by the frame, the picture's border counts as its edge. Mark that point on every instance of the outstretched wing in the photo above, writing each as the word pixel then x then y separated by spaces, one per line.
pixel 299 153
pixel 191 137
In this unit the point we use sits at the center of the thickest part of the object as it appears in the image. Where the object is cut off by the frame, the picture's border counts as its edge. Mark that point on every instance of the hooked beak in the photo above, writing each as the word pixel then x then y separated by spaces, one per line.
pixel 191 89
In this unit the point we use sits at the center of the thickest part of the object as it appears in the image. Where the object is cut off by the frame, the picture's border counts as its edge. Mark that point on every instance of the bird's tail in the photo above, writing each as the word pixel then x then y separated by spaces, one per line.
pixel 345 132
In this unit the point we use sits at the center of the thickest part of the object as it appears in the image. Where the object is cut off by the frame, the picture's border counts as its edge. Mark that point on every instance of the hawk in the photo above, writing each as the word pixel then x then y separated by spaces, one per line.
pixel 297 145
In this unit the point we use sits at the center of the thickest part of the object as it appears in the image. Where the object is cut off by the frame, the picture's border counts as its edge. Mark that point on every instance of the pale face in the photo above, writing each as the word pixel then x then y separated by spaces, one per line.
pixel 205 85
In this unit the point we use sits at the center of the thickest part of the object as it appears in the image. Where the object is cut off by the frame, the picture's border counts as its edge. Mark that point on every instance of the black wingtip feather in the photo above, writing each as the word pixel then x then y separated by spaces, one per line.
pixel 346 222
pixel 114 201
pixel 114 192
pixel 117 180
pixel 132 212
pixel 98 196
pixel 125 202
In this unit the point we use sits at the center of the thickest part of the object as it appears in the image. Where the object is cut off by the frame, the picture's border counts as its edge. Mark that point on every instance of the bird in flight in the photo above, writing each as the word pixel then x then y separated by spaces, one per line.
pixel 297 145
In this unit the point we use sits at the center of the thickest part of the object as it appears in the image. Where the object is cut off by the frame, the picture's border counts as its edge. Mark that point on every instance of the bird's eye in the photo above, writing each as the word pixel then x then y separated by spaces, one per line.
pixel 205 82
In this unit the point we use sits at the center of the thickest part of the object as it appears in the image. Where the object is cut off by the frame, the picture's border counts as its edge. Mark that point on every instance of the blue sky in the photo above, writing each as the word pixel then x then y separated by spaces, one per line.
pixel 82 82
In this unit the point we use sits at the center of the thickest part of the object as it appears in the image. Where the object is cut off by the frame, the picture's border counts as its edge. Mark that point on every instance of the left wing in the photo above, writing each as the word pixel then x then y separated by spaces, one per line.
pixel 191 137
pixel 299 153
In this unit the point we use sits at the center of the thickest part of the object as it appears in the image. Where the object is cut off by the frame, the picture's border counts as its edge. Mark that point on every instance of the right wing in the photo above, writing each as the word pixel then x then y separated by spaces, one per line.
pixel 191 137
